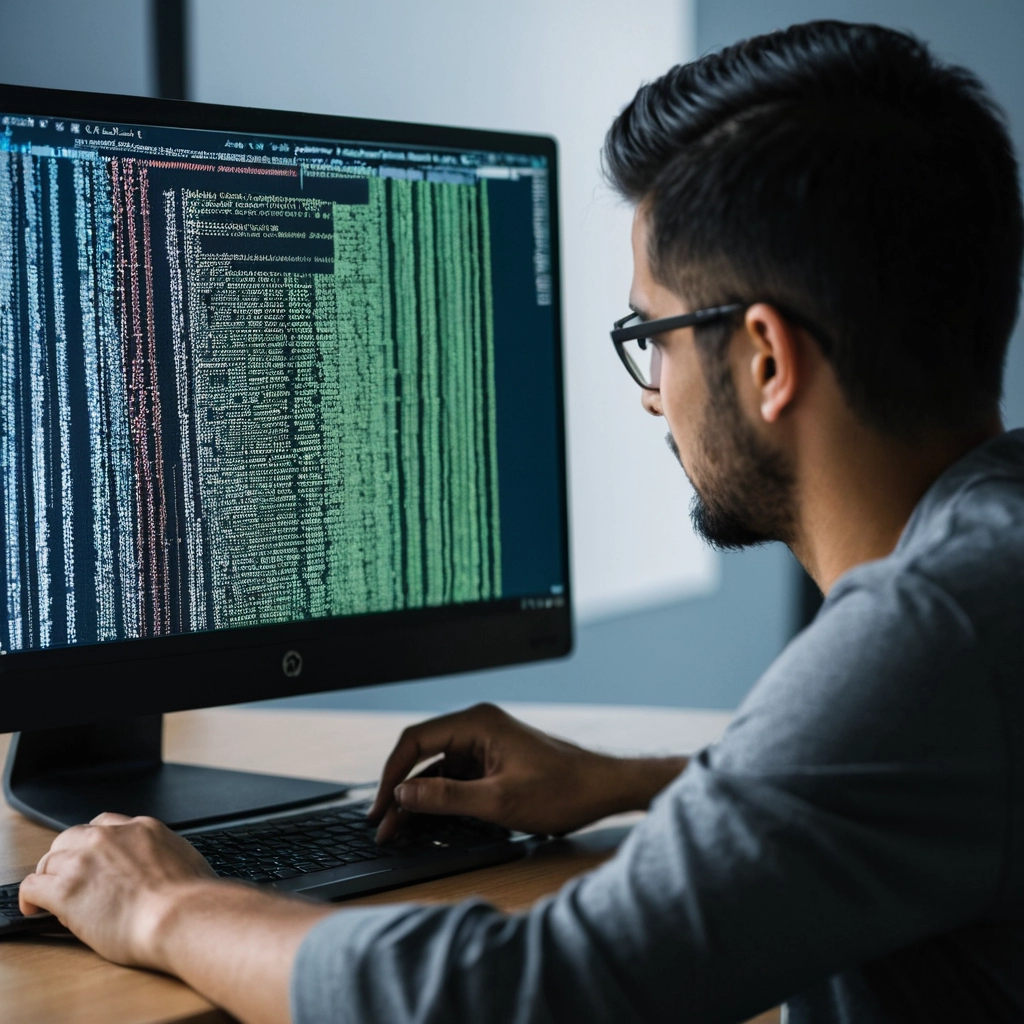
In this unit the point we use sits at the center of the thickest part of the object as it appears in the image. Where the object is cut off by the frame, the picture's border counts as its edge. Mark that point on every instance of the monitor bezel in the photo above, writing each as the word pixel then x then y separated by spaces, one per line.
pixel 122 679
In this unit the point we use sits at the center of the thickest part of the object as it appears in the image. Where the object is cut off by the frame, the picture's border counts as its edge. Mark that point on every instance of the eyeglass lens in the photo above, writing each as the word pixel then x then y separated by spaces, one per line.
pixel 645 359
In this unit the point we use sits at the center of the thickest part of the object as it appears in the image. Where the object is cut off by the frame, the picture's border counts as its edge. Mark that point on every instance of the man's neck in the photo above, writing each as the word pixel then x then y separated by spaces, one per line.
pixel 858 488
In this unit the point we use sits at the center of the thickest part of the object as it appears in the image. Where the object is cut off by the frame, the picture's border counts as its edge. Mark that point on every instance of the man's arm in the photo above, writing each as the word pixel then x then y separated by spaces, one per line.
pixel 855 806
pixel 236 944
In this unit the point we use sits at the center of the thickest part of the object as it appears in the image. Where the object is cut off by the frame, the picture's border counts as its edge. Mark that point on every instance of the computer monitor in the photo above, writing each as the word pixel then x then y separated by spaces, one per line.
pixel 281 412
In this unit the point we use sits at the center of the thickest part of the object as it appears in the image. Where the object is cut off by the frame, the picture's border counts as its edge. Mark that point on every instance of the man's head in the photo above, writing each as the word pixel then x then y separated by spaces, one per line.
pixel 862 199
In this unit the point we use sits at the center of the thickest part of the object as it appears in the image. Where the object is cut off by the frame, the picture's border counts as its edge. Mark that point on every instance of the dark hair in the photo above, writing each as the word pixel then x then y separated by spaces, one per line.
pixel 844 173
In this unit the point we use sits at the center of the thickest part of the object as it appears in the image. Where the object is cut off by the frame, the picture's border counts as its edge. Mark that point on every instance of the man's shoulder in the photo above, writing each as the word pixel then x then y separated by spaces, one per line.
pixel 963 546
pixel 916 654
pixel 900 707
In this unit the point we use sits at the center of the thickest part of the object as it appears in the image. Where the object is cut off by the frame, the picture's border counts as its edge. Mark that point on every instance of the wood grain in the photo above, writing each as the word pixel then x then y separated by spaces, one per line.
pixel 58 980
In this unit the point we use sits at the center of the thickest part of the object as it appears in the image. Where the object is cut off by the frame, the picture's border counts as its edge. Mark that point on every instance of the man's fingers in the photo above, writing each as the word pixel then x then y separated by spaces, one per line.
pixel 70 837
pixel 439 795
pixel 390 823
pixel 41 892
pixel 416 744
pixel 56 862
pixel 25 904
pixel 477 798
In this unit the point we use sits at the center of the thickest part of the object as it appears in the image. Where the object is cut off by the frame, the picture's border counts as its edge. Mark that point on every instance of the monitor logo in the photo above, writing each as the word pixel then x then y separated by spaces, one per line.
pixel 291 664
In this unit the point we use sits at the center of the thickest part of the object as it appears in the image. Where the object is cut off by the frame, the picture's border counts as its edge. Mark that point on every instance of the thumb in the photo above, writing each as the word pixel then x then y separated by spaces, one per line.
pixel 447 796
pixel 38 892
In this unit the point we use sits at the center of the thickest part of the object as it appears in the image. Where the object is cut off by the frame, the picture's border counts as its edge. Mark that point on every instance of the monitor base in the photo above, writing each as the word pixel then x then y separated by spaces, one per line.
pixel 66 776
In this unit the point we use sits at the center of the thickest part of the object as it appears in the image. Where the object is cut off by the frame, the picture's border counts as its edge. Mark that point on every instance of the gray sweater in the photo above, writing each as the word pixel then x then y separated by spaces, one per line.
pixel 853 845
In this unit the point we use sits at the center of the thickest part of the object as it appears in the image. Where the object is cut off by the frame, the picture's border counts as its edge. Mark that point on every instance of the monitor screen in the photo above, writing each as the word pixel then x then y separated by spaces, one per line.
pixel 270 380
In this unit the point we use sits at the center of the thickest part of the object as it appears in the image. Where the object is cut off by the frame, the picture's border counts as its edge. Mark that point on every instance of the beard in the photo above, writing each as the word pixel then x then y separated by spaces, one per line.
pixel 746 491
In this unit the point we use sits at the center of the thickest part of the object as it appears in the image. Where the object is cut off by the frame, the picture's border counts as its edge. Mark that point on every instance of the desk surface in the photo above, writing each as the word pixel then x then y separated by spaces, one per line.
pixel 44 980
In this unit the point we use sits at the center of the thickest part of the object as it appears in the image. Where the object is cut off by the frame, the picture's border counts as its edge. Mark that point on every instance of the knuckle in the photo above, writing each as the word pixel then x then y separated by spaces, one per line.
pixel 107 818
pixel 59 889
pixel 62 870
pixel 502 797
pixel 70 835
pixel 407 746
pixel 93 836
pixel 75 865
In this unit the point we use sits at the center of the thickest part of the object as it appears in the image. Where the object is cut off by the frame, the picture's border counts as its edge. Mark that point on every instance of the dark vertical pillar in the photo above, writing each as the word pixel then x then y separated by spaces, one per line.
pixel 169 27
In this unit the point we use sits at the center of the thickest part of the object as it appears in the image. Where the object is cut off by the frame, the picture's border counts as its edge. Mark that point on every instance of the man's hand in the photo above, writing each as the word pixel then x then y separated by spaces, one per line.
pixel 112 881
pixel 141 895
pixel 501 770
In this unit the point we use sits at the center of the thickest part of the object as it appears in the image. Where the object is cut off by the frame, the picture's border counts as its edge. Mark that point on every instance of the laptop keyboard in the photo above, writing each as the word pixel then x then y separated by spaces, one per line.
pixel 286 848
pixel 9 905
pixel 331 838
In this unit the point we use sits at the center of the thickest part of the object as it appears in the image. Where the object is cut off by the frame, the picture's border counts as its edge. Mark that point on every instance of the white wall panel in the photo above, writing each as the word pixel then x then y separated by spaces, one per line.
pixel 95 45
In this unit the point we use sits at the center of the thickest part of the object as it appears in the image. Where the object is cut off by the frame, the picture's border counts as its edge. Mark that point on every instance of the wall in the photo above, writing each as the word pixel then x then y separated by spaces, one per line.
pixel 98 45
pixel 700 653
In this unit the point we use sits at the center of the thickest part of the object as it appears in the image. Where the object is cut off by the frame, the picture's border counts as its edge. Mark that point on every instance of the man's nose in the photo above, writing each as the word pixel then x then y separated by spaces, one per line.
pixel 651 401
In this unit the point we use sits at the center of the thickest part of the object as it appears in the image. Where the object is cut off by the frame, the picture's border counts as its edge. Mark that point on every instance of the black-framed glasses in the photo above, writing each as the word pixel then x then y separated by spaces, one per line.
pixel 641 356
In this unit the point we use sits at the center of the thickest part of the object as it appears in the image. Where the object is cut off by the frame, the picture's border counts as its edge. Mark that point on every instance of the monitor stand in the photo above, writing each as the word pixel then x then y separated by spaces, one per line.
pixel 66 776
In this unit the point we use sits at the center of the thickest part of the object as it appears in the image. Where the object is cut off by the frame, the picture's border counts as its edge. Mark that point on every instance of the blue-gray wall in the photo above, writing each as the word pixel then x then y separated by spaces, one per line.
pixel 95 45
pixel 703 653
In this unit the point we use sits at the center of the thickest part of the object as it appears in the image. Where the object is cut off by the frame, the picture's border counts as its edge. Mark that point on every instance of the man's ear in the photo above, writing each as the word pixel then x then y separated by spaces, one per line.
pixel 775 363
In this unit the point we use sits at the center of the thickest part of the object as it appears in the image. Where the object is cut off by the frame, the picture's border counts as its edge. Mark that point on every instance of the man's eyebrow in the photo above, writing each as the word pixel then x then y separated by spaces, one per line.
pixel 639 312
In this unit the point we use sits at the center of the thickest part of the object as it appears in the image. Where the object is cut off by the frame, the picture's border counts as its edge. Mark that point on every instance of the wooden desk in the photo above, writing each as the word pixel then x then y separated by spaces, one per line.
pixel 59 980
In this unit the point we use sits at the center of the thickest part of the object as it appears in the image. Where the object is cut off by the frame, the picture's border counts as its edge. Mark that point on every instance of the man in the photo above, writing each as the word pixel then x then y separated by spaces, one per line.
pixel 848 211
